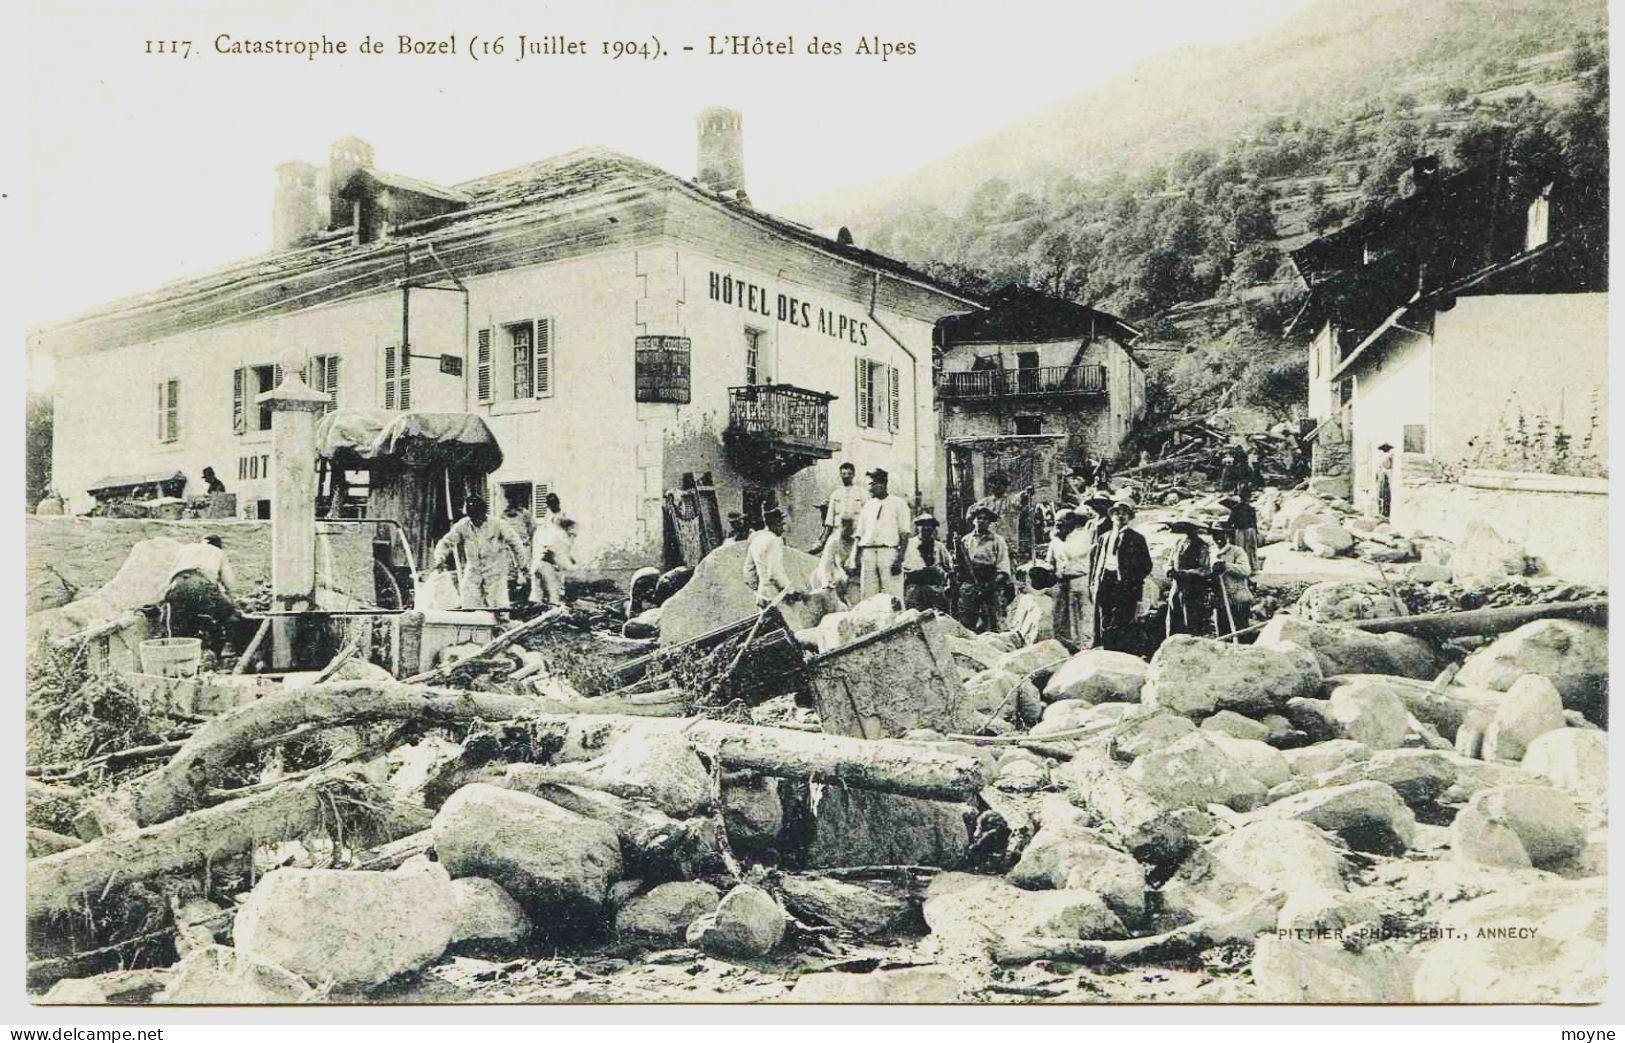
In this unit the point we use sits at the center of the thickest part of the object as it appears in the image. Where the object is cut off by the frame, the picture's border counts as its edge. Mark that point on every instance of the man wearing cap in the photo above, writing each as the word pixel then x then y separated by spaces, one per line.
pixel 484 547
pixel 1190 610
pixel 197 597
pixel 985 556
pixel 1233 595
pixel 1118 566
pixel 927 567
pixel 764 561
pixel 845 501
pixel 883 523
pixel 1385 476
pixel 552 556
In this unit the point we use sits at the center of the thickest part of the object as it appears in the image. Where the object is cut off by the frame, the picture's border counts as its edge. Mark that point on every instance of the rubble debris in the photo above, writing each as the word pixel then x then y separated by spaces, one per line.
pixel 851 907
pixel 747 924
pixel 1288 970
pixel 972 915
pixel 856 827
pixel 220 975
pixel 903 985
pixel 1572 655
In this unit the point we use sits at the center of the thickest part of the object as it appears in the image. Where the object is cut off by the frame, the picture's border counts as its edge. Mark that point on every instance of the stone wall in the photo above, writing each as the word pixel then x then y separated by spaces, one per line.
pixel 1561 522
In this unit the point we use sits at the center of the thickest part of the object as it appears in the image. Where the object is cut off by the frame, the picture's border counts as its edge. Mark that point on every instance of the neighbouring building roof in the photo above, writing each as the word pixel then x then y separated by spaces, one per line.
pixel 1019 315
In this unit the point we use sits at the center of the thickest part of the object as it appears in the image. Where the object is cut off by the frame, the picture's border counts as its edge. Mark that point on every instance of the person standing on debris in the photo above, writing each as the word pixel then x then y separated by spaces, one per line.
pixel 484 549
pixel 1244 523
pixel 518 518
pixel 1233 595
pixel 1118 566
pixel 552 556
pixel 212 484
pixel 764 561
pixel 927 568
pixel 838 550
pixel 197 597
pixel 985 556
pixel 1071 575
pixel 1190 609
pixel 1385 478
pixel 845 501
pixel 883 524
pixel 552 511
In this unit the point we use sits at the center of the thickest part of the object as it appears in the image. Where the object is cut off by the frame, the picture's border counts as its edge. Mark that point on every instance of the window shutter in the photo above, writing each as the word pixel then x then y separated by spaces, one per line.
pixel 860 392
pixel 239 417
pixel 538 499
pixel 389 376
pixel 333 380
pixel 893 413
pixel 160 411
pixel 482 366
pixel 404 393
pixel 276 376
pixel 544 358
pixel 172 415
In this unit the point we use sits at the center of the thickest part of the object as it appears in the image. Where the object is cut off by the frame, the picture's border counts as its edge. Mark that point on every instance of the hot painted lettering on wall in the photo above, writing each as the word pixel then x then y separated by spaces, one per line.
pixel 758 300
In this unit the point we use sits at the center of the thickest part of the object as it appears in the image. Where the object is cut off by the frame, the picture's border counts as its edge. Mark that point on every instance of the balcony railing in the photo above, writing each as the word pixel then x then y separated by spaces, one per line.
pixel 788 416
pixel 1015 383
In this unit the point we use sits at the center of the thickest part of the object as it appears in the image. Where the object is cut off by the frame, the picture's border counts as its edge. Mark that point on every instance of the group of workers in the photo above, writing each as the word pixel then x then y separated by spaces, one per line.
pixel 517 554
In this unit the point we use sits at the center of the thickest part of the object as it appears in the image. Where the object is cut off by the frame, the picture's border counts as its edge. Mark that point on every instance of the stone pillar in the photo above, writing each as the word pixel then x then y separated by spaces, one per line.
pixel 294 408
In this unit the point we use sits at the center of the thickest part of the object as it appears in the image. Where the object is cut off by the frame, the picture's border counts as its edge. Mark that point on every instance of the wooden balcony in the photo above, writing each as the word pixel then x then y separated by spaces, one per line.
pixel 775 430
pixel 1032 382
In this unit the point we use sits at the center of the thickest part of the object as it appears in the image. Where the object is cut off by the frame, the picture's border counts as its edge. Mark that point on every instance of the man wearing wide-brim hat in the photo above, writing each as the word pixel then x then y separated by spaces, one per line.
pixel 1118 565
pixel 1190 608
pixel 1233 595
pixel 985 557
pixel 927 567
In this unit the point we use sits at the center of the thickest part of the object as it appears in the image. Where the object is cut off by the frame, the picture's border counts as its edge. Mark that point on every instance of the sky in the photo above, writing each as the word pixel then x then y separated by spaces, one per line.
pixel 147 167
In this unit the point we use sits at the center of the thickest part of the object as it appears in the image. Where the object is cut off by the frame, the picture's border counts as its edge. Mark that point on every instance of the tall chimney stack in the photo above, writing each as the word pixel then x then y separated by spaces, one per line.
pixel 294 211
pixel 347 156
pixel 721 167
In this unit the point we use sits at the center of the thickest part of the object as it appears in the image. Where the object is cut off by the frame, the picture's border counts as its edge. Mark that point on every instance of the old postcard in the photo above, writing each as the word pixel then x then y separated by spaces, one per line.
pixel 826 504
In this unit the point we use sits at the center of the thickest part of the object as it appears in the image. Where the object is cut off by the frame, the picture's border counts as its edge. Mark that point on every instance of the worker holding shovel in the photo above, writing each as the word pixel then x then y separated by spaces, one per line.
pixel 1230 578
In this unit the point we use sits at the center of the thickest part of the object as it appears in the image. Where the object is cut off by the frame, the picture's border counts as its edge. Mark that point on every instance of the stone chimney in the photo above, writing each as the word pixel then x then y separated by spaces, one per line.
pixel 295 212
pixel 721 167
pixel 347 156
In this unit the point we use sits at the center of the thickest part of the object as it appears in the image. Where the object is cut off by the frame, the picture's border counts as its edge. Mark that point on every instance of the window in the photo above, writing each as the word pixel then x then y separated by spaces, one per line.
pixel 169 410
pixel 876 395
pixel 1029 425
pixel 322 374
pixel 522 350
pixel 1416 438
pixel 514 361
pixel 397 377
pixel 532 496
pixel 753 356
pixel 248 383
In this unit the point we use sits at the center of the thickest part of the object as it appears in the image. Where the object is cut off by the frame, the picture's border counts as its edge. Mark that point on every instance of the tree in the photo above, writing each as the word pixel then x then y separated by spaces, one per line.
pixel 37 439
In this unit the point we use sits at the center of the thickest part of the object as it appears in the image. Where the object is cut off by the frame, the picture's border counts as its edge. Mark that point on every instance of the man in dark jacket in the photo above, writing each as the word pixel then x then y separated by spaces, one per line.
pixel 1118 566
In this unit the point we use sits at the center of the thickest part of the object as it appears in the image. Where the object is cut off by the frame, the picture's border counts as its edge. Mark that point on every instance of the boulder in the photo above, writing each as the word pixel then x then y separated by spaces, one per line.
pixel 484 912
pixel 1035 662
pixel 1532 707
pixel 1573 656
pixel 1556 951
pixel 752 812
pixel 1197 676
pixel 1325 756
pixel 219 975
pixel 355 929
pixel 1427 572
pixel 853 827
pixel 1482 558
pixel 1371 713
pixel 970 914
pixel 1313 913
pixel 1349 650
pixel 1022 776
pixel 980 653
pixel 1196 771
pixel 1146 732
pixel 1474 775
pixel 1000 698
pixel 1420 777
pixel 1573 758
pixel 1326 539
pixel 1067 855
pixel 716 595
pixel 1098 676
pixel 1228 722
pixel 1255 859
pixel 1548 829
pixel 853 908
pixel 557 864
pixel 1259 759
pixel 663 913
pixel 1311 717
pixel 904 985
pixel 663 767
pixel 1070 715
pixel 1287 970
pixel 748 924
pixel 1338 601
pixel 1369 816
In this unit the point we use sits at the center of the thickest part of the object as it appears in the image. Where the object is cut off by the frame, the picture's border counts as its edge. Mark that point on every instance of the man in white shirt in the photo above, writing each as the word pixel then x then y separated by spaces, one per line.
pixel 764 561
pixel 846 501
pixel 553 555
pixel 197 597
pixel 883 525
pixel 484 549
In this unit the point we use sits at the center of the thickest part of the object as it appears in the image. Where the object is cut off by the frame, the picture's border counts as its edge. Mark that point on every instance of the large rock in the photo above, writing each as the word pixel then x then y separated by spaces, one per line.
pixel 748 924
pixel 1317 913
pixel 1325 756
pixel 1573 758
pixel 1066 854
pixel 1369 816
pixel 1420 777
pixel 1035 662
pixel 1573 656
pixel 557 864
pixel 1538 943
pixel 1517 826
pixel 1259 759
pixel 996 699
pixel 853 827
pixel 1228 722
pixel 664 912
pixel 216 975
pixel 1338 601
pixel 1197 676
pixel 859 910
pixel 1349 650
pixel 1371 713
pixel 351 928
pixel 1255 859
pixel 973 914
pixel 486 913
pixel 1290 971
pixel 663 767
pixel 1196 771
pixel 1326 539
pixel 1482 558
pixel 1071 715
pixel 716 595
pixel 1146 732
pixel 1098 676
pixel 904 985
pixel 1532 707
pixel 752 812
